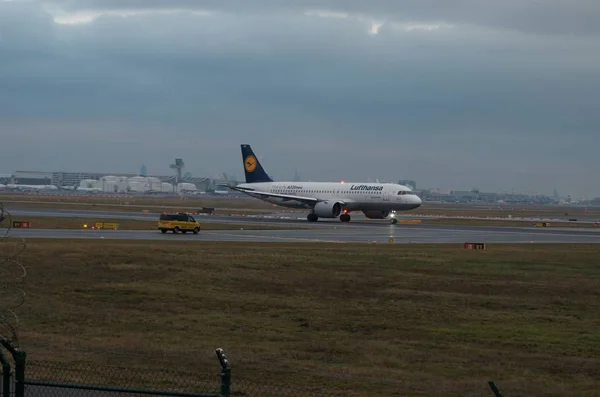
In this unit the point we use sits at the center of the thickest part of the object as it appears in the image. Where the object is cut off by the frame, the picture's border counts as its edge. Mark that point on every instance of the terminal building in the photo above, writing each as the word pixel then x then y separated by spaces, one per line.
pixel 108 183
pixel 32 178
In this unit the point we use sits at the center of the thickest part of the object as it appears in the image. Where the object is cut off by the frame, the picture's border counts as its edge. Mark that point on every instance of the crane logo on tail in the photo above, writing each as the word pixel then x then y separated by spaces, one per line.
pixel 250 163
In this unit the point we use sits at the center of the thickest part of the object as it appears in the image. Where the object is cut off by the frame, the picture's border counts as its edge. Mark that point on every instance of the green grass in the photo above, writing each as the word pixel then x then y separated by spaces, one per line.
pixel 370 320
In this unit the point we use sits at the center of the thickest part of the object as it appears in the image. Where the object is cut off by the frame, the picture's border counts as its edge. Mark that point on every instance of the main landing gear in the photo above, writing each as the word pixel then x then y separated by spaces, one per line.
pixel 313 217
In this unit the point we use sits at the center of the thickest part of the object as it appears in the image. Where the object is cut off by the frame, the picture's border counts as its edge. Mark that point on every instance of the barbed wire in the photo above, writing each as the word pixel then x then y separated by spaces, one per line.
pixel 12 278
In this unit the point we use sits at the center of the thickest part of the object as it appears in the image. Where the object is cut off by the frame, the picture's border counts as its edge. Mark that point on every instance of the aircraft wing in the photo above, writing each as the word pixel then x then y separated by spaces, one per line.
pixel 285 197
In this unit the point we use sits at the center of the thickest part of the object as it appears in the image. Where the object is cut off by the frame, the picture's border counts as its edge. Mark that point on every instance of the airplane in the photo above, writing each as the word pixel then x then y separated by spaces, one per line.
pixel 325 199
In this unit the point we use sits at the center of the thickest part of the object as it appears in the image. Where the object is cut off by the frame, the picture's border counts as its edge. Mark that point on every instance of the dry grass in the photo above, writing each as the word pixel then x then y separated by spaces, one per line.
pixel 128 208
pixel 132 203
pixel 372 320
pixel 49 222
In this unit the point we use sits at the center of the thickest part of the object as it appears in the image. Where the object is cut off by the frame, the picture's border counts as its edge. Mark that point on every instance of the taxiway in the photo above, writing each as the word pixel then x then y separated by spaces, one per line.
pixel 321 231
pixel 366 233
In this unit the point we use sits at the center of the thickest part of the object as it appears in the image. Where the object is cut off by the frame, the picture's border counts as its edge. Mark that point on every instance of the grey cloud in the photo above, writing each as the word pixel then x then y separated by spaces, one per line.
pixel 580 17
pixel 24 26
pixel 470 107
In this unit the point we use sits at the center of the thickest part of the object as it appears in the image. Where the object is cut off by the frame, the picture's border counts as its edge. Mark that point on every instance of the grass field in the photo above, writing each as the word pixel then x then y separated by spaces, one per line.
pixel 77 206
pixel 372 320
pixel 49 222
pixel 133 203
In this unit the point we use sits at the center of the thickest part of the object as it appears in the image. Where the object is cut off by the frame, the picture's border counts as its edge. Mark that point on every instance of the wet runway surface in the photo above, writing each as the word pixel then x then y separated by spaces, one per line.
pixel 379 233
pixel 330 230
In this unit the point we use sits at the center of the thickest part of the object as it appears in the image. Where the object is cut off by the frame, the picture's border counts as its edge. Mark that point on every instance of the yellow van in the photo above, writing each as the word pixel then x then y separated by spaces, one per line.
pixel 180 222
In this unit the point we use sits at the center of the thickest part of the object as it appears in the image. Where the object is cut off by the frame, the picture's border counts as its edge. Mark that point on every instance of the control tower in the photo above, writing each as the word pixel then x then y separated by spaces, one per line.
pixel 178 167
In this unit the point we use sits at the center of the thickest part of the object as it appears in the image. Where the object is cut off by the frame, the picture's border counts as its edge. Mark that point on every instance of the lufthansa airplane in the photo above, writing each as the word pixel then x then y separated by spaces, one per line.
pixel 326 199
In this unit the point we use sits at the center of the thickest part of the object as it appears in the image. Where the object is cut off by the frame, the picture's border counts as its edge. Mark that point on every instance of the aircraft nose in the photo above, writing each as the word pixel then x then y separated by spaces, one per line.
pixel 417 201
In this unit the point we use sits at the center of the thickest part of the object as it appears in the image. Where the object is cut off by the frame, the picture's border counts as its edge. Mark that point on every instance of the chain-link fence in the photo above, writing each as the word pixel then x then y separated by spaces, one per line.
pixel 6 383
pixel 266 388
pixel 58 379
pixel 54 379
pixel 30 378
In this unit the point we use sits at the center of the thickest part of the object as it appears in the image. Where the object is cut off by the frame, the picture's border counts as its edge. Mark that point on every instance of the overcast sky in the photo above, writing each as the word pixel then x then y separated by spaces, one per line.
pixel 498 95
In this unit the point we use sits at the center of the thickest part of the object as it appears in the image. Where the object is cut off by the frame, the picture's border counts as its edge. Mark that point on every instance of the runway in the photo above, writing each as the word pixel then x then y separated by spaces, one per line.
pixel 321 231
pixel 378 234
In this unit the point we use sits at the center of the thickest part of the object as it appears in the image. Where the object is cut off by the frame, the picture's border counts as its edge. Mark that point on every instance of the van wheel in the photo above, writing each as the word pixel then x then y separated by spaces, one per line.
pixel 176 230
pixel 196 230
pixel 163 230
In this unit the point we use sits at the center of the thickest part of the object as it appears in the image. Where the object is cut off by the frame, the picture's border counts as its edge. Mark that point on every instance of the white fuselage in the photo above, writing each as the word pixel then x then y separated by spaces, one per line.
pixel 356 196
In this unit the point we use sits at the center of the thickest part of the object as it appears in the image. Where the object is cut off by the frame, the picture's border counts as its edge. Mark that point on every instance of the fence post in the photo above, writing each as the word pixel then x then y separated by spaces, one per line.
pixel 225 373
pixel 19 357
pixel 494 389
pixel 5 375
pixel 20 373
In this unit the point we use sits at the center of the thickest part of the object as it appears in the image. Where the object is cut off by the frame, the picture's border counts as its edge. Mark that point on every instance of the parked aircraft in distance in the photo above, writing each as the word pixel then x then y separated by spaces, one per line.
pixel 326 199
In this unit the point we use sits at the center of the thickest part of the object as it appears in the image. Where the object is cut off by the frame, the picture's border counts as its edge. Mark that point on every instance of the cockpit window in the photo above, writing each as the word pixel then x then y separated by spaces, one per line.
pixel 402 192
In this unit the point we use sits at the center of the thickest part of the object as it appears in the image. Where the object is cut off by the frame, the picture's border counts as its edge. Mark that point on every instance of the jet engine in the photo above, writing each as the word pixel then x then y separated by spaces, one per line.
pixel 376 214
pixel 328 209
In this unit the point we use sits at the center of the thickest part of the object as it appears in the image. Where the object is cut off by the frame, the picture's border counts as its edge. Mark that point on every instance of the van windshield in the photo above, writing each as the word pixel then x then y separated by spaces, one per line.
pixel 168 217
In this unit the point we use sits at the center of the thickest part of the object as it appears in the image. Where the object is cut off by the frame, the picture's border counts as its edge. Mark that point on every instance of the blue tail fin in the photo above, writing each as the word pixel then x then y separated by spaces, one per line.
pixel 252 168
